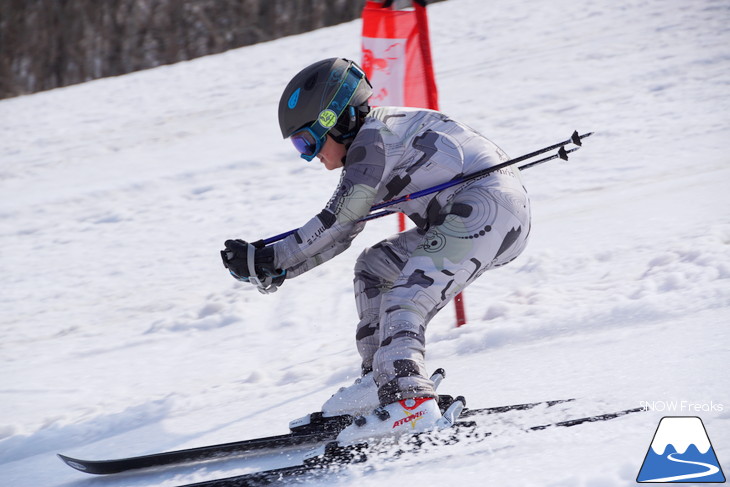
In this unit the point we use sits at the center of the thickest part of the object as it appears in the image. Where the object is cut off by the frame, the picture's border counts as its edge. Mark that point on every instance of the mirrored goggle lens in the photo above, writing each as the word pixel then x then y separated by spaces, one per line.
pixel 306 143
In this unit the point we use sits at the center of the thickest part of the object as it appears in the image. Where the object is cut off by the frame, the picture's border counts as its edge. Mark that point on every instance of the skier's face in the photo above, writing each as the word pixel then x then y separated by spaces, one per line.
pixel 332 154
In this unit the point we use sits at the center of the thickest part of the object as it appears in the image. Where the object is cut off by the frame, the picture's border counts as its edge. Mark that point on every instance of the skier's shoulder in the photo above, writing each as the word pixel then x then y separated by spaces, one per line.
pixel 395 116
pixel 406 122
pixel 386 134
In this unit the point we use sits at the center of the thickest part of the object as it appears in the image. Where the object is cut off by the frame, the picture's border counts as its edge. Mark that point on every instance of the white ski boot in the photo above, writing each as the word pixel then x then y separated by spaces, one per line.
pixel 355 400
pixel 406 416
pixel 362 396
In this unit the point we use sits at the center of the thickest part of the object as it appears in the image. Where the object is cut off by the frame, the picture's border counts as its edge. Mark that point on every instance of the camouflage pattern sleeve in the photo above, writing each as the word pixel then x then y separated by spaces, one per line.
pixel 336 225
pixel 325 255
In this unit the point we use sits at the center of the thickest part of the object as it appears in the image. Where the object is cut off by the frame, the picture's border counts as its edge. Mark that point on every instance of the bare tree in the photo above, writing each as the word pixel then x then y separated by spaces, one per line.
pixel 50 43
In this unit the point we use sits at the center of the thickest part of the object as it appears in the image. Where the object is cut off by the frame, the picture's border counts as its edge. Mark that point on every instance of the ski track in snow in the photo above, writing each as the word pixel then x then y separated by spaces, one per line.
pixel 121 333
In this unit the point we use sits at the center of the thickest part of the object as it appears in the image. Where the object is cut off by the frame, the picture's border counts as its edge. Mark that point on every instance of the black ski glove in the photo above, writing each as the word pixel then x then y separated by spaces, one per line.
pixel 237 259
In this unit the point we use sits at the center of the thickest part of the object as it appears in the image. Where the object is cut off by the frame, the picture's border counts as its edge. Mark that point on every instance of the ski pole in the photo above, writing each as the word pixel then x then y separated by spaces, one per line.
pixel 562 154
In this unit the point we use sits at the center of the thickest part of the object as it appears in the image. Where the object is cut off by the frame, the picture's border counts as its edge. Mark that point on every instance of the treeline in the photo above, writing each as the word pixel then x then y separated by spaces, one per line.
pixel 45 44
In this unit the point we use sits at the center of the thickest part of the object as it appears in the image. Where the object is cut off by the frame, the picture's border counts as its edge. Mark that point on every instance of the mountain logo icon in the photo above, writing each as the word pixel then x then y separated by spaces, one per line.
pixel 681 452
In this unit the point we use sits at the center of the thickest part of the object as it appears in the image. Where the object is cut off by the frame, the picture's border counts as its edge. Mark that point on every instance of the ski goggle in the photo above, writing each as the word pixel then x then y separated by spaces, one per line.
pixel 307 143
pixel 309 140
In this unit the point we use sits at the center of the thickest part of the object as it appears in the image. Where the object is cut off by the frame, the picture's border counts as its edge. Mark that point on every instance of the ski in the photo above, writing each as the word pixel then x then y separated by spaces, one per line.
pixel 318 429
pixel 335 457
pixel 199 454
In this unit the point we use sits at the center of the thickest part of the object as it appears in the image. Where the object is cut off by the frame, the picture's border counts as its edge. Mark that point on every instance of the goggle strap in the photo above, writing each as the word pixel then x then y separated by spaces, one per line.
pixel 352 71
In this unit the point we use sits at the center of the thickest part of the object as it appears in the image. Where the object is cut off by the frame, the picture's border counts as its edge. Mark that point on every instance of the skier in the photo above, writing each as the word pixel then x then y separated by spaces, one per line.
pixel 403 281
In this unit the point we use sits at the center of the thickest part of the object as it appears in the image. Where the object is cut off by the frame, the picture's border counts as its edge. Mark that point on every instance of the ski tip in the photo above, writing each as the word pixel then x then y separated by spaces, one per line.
pixel 72 462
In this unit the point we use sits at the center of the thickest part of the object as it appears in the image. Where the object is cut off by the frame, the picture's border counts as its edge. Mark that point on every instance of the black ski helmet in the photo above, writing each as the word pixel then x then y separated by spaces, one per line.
pixel 329 96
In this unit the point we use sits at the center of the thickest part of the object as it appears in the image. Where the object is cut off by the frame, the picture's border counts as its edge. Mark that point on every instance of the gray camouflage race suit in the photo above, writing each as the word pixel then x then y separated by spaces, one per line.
pixel 403 281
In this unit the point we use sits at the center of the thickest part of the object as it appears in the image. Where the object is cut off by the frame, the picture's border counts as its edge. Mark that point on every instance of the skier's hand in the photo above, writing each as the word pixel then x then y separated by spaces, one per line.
pixel 239 257
pixel 235 259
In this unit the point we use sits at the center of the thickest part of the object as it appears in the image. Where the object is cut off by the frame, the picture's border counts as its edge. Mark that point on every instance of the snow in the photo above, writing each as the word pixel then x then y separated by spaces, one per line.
pixel 121 333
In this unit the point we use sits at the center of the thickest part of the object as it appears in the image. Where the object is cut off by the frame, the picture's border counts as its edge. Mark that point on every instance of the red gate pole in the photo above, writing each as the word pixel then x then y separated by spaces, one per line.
pixel 408 46
pixel 425 41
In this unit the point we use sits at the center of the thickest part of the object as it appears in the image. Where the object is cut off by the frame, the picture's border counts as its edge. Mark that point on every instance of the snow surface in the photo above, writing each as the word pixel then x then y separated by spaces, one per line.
pixel 121 333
